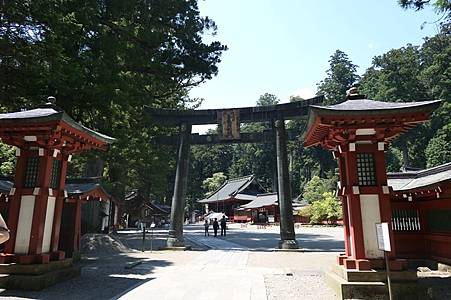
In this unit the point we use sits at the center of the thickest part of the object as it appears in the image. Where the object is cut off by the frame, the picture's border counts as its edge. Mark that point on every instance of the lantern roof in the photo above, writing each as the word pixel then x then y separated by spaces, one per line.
pixel 365 114
pixel 51 126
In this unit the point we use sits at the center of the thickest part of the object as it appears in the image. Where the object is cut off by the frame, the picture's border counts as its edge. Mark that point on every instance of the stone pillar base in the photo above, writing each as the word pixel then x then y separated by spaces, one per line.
pixel 174 242
pixel 288 244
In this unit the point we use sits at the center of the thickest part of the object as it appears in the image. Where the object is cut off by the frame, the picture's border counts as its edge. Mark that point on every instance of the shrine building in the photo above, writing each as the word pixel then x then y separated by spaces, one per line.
pixel 358 132
pixel 233 193
pixel 46 138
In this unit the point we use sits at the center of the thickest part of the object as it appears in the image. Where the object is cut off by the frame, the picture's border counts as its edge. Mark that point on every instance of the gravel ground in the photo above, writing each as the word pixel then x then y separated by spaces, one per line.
pixel 298 286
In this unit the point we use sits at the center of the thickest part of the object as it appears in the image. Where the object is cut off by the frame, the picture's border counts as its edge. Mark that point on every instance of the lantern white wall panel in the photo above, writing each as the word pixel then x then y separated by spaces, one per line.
pixel 47 238
pixel 369 206
pixel 24 224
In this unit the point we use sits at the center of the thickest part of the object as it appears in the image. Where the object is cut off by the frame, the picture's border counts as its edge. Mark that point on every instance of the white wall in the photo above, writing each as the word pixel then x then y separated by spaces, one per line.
pixel 369 206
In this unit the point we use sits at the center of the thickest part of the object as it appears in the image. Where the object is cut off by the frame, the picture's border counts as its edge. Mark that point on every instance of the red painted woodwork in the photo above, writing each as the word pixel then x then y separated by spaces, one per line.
pixel 424 243
pixel 59 204
pixel 40 205
pixel 64 136
pixel 336 128
pixel 15 200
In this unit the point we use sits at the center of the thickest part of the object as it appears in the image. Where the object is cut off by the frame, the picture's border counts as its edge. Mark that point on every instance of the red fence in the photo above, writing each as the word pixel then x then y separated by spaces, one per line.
pixel 421 229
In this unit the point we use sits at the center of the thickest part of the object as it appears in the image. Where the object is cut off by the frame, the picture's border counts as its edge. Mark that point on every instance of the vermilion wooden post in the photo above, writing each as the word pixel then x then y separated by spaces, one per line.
pixel 14 202
pixel 40 206
pixel 59 203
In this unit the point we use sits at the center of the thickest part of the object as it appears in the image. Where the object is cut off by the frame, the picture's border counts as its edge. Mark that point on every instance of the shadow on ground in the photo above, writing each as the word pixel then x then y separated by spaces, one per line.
pixel 102 277
pixel 155 240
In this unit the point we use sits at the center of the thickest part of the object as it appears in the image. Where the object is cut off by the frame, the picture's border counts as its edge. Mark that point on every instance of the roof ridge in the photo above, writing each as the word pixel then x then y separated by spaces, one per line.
pixel 239 178
pixel 434 170
pixel 267 194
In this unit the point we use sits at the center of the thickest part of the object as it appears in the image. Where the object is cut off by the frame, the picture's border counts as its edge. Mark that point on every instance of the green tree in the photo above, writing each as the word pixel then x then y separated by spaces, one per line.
pixel 341 75
pixel 104 61
pixel 438 150
pixel 267 99
pixel 316 187
pixel 213 183
pixel 442 7
pixel 7 159
pixel 396 76
pixel 326 209
pixel 258 159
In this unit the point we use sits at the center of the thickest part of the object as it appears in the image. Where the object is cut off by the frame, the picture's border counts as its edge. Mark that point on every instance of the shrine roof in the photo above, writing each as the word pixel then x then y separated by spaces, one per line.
pixel 229 189
pixel 83 189
pixel 404 181
pixel 74 187
pixel 5 185
pixel 156 210
pixel 372 106
pixel 359 112
pixel 262 200
pixel 48 113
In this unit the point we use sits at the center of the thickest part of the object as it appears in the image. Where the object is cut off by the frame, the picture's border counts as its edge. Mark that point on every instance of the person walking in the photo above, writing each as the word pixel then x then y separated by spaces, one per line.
pixel 223 226
pixel 215 226
pixel 206 225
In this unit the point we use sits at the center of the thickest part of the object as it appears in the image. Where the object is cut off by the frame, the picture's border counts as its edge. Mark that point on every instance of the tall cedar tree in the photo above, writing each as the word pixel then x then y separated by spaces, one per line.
pixel 104 60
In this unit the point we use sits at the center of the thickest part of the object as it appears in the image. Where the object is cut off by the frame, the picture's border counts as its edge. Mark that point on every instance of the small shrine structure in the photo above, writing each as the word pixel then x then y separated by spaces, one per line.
pixel 358 132
pixel 46 138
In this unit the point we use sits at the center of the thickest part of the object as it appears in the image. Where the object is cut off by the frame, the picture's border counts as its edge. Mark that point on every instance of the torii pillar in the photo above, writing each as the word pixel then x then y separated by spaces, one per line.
pixel 175 237
pixel 358 133
pixel 45 138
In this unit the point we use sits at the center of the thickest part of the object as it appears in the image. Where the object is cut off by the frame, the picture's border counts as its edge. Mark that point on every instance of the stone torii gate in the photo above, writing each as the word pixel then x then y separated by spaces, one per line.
pixel 229 121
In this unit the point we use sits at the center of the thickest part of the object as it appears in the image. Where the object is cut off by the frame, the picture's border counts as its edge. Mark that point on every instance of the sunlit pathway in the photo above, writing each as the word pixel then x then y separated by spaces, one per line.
pixel 233 269
pixel 213 274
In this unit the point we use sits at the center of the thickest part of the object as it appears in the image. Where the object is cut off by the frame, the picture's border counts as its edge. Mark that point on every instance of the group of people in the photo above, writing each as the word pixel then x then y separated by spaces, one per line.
pixel 216 224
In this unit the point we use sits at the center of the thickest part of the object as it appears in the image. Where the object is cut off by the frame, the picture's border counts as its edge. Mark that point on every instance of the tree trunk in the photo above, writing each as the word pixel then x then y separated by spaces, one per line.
pixel 405 156
pixel 94 167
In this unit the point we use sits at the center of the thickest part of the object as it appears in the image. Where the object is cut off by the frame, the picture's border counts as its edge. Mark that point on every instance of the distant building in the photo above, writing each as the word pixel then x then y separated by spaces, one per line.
pixel 421 212
pixel 265 209
pixel 232 194
pixel 140 209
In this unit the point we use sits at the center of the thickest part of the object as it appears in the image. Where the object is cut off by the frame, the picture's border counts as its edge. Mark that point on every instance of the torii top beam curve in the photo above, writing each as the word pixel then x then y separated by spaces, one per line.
pixel 286 111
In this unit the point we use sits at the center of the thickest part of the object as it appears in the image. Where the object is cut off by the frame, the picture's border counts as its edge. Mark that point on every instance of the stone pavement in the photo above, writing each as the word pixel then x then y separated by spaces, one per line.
pixel 239 266
pixel 231 271
pixel 216 274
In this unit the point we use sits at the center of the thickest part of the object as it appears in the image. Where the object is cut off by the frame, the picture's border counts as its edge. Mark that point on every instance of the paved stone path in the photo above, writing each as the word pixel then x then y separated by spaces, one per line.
pixel 239 266
pixel 226 271
pixel 216 274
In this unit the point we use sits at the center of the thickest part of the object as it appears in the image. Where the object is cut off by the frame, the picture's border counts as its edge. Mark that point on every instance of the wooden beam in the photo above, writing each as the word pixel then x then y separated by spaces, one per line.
pixel 287 111
pixel 208 139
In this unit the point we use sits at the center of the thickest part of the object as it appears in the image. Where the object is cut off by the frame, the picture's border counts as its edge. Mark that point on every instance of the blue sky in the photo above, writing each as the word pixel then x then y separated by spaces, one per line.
pixel 283 47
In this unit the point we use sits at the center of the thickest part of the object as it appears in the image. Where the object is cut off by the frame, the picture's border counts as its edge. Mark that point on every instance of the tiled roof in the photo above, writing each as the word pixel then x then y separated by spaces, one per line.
pixel 417 179
pixel 50 113
pixel 73 188
pixel 82 188
pixel 368 105
pixel 5 185
pixel 229 189
pixel 262 200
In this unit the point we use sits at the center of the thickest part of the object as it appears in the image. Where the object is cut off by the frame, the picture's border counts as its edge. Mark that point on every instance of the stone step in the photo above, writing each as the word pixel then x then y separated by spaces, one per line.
pixel 13 268
pixel 373 275
pixel 38 281
pixel 375 290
